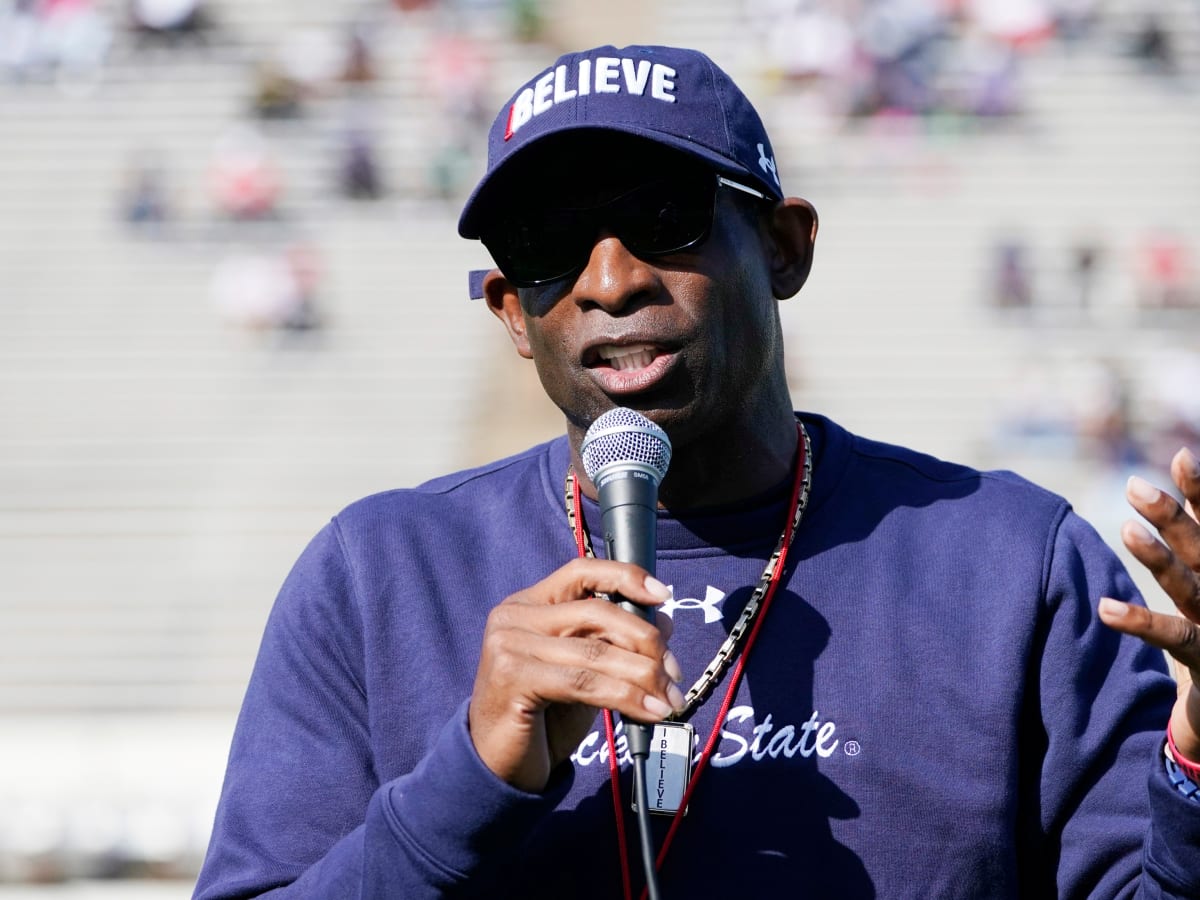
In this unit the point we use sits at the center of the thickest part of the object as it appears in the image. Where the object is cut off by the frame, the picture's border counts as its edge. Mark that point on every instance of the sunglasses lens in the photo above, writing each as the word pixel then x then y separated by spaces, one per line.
pixel 540 248
pixel 660 217
pixel 666 216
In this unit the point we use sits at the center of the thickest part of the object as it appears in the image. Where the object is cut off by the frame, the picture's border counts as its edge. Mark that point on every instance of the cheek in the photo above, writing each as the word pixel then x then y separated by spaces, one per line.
pixel 555 362
pixel 743 324
pixel 548 338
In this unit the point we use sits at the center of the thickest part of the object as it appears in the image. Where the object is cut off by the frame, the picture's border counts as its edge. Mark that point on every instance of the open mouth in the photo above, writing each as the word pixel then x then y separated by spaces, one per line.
pixel 624 369
pixel 623 358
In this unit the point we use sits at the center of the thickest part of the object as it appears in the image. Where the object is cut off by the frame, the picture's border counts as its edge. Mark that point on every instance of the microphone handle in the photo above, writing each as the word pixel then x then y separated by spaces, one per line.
pixel 628 506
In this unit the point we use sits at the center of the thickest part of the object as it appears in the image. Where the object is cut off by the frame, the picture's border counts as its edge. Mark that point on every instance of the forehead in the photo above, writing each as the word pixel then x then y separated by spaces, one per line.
pixel 586 167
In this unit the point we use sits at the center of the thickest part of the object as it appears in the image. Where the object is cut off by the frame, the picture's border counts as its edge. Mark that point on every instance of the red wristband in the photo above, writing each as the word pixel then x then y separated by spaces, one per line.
pixel 1189 768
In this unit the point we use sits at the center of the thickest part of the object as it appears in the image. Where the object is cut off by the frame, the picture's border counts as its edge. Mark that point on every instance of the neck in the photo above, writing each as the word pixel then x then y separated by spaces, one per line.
pixel 718 467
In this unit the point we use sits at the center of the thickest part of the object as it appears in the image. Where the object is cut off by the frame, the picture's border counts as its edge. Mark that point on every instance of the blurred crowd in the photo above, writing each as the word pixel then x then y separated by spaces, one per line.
pixel 963 58
pixel 306 82
pixel 918 60
pixel 1108 412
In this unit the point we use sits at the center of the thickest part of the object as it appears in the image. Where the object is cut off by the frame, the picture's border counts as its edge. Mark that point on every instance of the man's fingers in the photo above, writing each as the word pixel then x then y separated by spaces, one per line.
pixel 1185 469
pixel 597 673
pixel 586 577
pixel 539 670
pixel 1181 583
pixel 1180 531
pixel 1174 634
pixel 592 618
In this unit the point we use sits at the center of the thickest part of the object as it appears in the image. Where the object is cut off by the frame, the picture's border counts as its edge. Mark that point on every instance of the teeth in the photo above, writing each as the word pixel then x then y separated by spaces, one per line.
pixel 632 356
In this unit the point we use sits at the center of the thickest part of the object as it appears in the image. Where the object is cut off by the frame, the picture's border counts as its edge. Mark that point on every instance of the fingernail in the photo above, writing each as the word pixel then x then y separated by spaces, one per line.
pixel 1190 464
pixel 657 588
pixel 675 695
pixel 656 707
pixel 1142 490
pixel 1139 533
pixel 671 664
pixel 1114 608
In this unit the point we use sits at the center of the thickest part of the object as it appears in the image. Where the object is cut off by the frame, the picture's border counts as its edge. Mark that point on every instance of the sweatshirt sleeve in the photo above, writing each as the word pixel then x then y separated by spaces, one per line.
pixel 302 813
pixel 1103 717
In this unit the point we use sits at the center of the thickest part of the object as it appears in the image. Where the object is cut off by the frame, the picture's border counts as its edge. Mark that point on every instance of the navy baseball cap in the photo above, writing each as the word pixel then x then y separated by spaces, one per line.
pixel 672 96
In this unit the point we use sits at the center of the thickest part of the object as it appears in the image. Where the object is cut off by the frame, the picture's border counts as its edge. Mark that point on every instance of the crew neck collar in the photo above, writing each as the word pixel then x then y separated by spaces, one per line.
pixel 741 527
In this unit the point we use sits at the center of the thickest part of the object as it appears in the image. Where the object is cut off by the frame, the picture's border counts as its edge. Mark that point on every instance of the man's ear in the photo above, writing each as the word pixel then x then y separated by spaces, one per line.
pixel 505 304
pixel 793 230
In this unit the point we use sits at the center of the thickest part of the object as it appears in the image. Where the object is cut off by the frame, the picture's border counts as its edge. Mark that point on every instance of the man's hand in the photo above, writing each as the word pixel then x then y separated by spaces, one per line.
pixel 554 653
pixel 1176 566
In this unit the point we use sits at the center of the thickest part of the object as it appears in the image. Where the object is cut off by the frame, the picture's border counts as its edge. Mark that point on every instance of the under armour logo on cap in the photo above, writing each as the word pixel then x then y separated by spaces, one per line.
pixel 767 163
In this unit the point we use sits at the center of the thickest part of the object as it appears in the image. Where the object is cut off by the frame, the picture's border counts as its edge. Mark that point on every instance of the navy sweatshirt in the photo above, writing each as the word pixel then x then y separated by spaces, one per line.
pixel 932 708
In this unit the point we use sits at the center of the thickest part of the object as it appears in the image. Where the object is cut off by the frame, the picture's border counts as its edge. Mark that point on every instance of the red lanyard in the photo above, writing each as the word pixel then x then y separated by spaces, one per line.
pixel 802 465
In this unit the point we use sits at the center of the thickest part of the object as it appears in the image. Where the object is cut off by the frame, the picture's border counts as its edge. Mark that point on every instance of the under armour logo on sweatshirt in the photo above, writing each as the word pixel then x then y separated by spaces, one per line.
pixel 712 613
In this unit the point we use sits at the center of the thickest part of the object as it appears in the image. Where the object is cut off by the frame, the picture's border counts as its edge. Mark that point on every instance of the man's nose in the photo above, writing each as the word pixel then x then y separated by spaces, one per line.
pixel 613 277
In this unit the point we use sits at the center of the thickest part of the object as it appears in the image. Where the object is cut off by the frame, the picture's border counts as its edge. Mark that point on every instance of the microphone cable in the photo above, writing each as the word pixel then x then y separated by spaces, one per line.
pixel 638 736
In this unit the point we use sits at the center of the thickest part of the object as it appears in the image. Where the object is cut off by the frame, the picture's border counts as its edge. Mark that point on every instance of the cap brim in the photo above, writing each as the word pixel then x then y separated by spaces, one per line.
pixel 476 208
pixel 475 283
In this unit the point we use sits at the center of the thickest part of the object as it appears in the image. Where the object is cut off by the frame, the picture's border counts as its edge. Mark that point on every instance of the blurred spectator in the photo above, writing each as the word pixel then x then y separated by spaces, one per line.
pixel 1021 23
pixel 20 30
pixel 358 168
pixel 1086 257
pixel 901 39
pixel 303 263
pixel 527 21
pixel 1104 416
pixel 1154 45
pixel 64 39
pixel 144 200
pixel 1012 282
pixel 804 41
pixel 254 291
pixel 276 94
pixel 1074 19
pixel 265 290
pixel 449 168
pixel 1034 414
pixel 458 71
pixel 169 21
pixel 980 76
pixel 311 60
pixel 908 57
pixel 358 66
pixel 1164 272
pixel 244 178
pixel 1059 406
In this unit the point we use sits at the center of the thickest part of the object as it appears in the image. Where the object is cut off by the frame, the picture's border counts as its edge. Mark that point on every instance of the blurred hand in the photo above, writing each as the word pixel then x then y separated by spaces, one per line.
pixel 1175 563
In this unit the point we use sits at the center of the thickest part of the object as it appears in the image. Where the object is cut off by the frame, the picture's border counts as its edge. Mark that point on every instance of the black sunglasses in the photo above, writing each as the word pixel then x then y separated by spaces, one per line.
pixel 663 216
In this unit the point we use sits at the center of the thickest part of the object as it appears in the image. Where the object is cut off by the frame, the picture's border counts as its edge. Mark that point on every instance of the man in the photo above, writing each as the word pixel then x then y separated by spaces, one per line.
pixel 924 701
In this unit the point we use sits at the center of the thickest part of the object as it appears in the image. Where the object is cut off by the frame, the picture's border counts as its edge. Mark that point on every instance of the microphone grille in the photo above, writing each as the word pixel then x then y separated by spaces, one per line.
pixel 622 435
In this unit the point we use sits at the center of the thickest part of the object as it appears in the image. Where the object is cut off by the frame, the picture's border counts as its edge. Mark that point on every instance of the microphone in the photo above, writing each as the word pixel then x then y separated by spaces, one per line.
pixel 626 456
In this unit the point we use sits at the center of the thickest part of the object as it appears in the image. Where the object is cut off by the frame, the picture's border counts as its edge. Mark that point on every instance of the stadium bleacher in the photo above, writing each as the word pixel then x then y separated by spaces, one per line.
pixel 160 470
